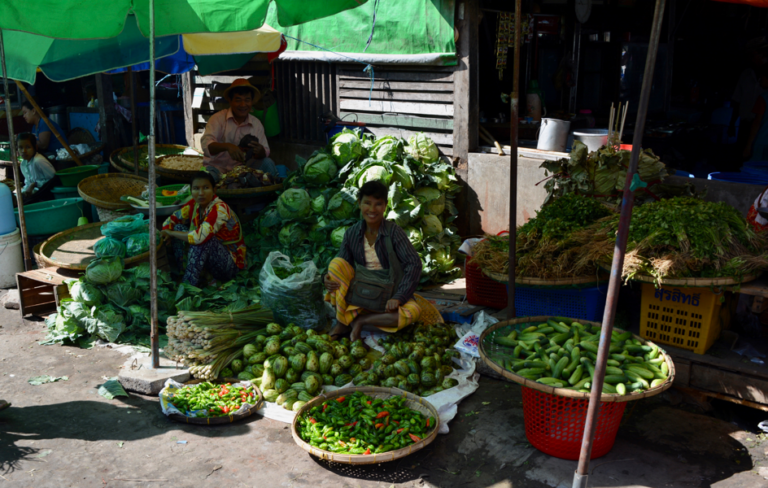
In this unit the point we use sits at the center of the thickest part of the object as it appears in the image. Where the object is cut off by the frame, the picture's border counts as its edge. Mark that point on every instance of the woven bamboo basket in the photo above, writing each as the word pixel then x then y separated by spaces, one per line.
pixel 73 248
pixel 583 280
pixel 175 174
pixel 221 420
pixel 115 162
pixel 692 282
pixel 38 256
pixel 105 190
pixel 125 154
pixel 414 402
pixel 563 392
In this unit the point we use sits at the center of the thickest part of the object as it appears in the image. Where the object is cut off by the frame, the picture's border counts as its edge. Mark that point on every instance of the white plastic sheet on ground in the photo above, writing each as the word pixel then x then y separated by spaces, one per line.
pixel 170 388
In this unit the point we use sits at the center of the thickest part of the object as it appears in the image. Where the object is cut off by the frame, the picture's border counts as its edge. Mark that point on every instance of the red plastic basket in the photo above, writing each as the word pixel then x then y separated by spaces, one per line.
pixel 555 425
pixel 482 290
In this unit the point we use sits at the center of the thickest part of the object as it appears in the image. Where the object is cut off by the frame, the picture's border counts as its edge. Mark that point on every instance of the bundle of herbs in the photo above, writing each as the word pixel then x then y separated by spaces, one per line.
pixel 548 244
pixel 680 238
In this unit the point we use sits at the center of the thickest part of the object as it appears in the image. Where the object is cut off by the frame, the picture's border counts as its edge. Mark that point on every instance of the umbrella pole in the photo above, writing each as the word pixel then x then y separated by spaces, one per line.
pixel 48 122
pixel 154 338
pixel 581 475
pixel 514 108
pixel 132 78
pixel 16 173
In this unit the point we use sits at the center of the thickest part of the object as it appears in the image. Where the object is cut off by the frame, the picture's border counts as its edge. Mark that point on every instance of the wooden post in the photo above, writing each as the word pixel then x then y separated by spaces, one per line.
pixel 48 122
pixel 107 113
pixel 187 92
pixel 154 335
pixel 134 122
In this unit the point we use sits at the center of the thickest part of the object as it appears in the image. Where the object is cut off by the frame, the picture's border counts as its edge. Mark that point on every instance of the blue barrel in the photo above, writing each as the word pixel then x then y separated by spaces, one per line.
pixel 745 178
pixel 684 174
pixel 7 221
pixel 755 168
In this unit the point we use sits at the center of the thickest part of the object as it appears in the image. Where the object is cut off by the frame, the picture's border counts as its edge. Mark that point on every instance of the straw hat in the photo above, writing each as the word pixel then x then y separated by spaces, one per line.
pixel 243 83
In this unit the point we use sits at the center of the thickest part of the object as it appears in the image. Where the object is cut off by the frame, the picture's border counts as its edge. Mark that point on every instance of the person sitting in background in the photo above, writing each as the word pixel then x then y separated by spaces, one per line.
pixel 36 169
pixel 212 231
pixel 225 130
pixel 46 142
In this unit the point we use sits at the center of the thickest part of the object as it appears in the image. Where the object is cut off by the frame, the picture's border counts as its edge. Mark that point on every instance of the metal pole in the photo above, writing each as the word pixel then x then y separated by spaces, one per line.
pixel 152 202
pixel 134 132
pixel 16 173
pixel 581 475
pixel 514 107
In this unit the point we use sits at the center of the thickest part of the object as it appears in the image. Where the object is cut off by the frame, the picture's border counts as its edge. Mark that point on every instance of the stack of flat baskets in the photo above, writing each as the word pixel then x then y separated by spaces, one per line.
pixel 122 159
pixel 104 192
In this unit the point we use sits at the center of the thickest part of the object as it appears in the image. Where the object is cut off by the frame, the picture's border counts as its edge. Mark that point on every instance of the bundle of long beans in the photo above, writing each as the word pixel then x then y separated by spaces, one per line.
pixel 208 341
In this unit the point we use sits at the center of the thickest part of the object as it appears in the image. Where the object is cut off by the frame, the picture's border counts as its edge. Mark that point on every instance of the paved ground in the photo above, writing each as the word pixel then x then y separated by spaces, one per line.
pixel 65 435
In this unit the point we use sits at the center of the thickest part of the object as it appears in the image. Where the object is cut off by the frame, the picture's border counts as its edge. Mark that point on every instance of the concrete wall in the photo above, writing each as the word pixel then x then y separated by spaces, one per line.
pixel 737 195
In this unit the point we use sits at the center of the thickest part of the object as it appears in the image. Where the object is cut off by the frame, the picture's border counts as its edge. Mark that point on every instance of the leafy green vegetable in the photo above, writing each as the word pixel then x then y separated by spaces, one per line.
pixel 343 205
pixel 346 147
pixel 422 148
pixel 431 225
pixel 337 236
pixel 41 380
pixel 292 235
pixel 123 227
pixel 102 271
pixel 111 389
pixel 320 169
pixel 109 248
pixel 294 204
pixel 136 244
pixel 84 292
pixel 318 204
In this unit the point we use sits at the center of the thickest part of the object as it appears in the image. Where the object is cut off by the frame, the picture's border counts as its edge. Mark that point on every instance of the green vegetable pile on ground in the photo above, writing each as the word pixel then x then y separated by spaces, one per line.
pixel 563 353
pixel 209 400
pixel 319 202
pixel 361 424
pixel 682 237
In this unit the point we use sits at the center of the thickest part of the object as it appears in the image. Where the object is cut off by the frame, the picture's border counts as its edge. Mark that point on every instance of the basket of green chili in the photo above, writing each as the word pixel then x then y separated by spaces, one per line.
pixel 211 402
pixel 365 425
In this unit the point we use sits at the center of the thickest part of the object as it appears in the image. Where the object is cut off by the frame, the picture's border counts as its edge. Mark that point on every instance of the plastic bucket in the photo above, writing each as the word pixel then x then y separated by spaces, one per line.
pixel 73 176
pixel 11 258
pixel 53 216
pixel 745 178
pixel 61 192
pixel 593 138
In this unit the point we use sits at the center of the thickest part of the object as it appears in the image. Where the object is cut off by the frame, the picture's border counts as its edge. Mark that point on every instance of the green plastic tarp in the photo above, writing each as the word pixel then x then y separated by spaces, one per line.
pixel 420 30
pixel 101 19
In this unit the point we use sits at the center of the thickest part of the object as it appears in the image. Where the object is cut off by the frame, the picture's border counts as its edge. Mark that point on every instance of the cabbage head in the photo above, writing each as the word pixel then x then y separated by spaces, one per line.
pixel 320 169
pixel 337 236
pixel 374 173
pixel 106 322
pixel 103 271
pixel 294 204
pixel 342 206
pixel 427 194
pixel 67 324
pixel 422 148
pixel 387 148
pixel 406 211
pixel 317 235
pixel 318 204
pixel 268 224
pixel 292 235
pixel 85 293
pixel 346 146
pixel 431 225
pixel 443 259
pixel 401 175
pixel 414 235
pixel 436 206
pixel 109 248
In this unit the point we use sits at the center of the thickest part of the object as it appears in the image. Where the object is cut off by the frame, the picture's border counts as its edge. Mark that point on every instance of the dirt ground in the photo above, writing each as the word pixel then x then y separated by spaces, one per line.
pixel 65 434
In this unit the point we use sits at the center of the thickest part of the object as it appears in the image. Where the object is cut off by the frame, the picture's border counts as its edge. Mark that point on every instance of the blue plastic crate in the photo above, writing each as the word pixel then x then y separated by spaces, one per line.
pixel 575 303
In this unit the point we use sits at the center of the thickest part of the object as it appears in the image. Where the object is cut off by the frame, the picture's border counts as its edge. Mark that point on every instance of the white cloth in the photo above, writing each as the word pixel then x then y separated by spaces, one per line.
pixel 371 259
pixel 761 202
pixel 222 127
pixel 36 172
pixel 747 91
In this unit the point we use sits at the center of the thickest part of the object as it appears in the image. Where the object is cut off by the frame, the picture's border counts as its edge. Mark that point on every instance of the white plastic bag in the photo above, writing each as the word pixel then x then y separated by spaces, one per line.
pixel 297 299
pixel 471 339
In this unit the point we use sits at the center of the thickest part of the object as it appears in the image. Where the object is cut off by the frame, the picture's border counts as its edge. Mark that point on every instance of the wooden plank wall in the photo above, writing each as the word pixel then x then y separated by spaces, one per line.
pixel 305 90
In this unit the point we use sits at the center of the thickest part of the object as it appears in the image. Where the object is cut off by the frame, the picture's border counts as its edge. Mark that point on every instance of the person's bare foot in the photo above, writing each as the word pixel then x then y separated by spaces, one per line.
pixel 339 331
pixel 4 404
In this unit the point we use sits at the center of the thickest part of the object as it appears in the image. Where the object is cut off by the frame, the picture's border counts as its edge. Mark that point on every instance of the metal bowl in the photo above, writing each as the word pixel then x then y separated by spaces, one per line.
pixel 163 211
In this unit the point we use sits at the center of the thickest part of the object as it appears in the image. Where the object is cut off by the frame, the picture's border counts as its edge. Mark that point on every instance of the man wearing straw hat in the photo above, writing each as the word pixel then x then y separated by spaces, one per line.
pixel 227 128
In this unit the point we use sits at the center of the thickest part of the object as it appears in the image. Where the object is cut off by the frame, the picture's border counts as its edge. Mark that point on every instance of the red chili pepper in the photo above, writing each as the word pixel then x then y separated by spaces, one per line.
pixel 341 399
pixel 387 422
pixel 351 425
pixel 414 438
pixel 367 451
pixel 381 415
pixel 400 430
pixel 427 422
pixel 313 420
pixel 325 438
pixel 378 426
pixel 395 421
pixel 324 407
pixel 342 443
pixel 369 402
pixel 225 409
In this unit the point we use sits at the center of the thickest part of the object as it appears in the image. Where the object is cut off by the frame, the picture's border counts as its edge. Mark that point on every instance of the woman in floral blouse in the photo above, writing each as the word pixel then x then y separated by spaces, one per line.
pixel 212 231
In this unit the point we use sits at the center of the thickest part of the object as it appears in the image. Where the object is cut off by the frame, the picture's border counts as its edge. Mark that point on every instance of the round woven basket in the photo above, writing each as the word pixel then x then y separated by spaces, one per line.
pixel 73 248
pixel 691 282
pixel 115 162
pixel 221 420
pixel 175 174
pixel 563 392
pixel 414 402
pixel 105 190
pixel 38 256
pixel 125 154
pixel 583 280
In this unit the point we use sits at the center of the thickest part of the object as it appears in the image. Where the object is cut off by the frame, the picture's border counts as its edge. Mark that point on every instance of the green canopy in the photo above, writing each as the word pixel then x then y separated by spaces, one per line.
pixel 101 19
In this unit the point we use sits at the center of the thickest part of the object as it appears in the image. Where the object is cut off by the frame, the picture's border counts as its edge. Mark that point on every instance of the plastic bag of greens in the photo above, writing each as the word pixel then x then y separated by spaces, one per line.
pixel 109 248
pixel 123 227
pixel 136 244
pixel 293 293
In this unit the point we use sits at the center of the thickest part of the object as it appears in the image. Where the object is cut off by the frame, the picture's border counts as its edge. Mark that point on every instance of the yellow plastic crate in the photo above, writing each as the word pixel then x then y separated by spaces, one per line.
pixel 688 318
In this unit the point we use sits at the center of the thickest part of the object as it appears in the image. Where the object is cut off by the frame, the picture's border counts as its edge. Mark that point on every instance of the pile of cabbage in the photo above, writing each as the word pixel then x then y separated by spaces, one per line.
pixel 319 202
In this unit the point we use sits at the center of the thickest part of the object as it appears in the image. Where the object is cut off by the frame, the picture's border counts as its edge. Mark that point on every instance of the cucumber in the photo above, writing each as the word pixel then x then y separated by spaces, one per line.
pixel 621 389
pixel 618 357
pixel 505 341
pixel 623 336
pixel 636 378
pixel 550 382
pixel 559 367
pixel 546 330
pixel 648 375
pixel 532 328
pixel 561 328
pixel 571 368
pixel 612 370
pixel 588 346
pixel 612 362
pixel 531 371
pixel 576 376
pixel 561 338
pixel 590 367
pixel 517 351
pixel 581 383
pixel 615 378
pixel 657 382
pixel 592 356
pixel 664 368
pixel 637 349
pixel 608 388
pixel 536 364
pixel 512 335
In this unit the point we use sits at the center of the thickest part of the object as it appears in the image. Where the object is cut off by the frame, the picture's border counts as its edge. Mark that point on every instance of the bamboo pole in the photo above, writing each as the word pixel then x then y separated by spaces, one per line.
pixel 134 132
pixel 48 122
pixel 154 335
pixel 514 105
pixel 16 172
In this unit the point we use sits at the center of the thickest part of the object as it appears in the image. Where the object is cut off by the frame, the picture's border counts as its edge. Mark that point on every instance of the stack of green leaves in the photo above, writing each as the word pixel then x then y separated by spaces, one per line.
pixel 319 201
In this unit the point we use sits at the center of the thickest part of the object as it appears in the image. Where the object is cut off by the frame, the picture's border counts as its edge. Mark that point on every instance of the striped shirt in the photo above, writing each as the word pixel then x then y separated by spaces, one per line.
pixel 353 251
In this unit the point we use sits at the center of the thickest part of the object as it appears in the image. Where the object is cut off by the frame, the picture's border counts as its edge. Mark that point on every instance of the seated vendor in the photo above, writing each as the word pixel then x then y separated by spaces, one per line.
pixel 36 169
pixel 226 129
pixel 212 231
pixel 46 142
pixel 365 246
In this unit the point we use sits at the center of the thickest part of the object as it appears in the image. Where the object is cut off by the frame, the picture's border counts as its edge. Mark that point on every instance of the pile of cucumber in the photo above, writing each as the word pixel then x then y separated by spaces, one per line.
pixel 562 353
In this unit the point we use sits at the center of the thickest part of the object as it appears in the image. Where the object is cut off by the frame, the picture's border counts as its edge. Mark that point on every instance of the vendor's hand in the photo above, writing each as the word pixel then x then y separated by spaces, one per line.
pixel 357 331
pixel 392 305
pixel 236 153
pixel 166 234
pixel 331 284
pixel 258 150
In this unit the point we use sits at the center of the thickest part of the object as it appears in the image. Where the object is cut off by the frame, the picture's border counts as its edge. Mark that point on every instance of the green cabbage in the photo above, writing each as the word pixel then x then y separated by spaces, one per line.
pixel 105 322
pixel 436 206
pixel 408 210
pixel 294 204
pixel 443 259
pixel 109 248
pixel 122 294
pixel 343 205
pixel 85 293
pixel 67 324
pixel 292 235
pixel 374 173
pixel 414 235
pixel 346 147
pixel 320 169
pixel 337 236
pixel 103 271
pixel 387 148
pixel 431 225
pixel 422 148
pixel 269 223
pixel 318 204
pixel 401 174
pixel 433 199
pixel 316 234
